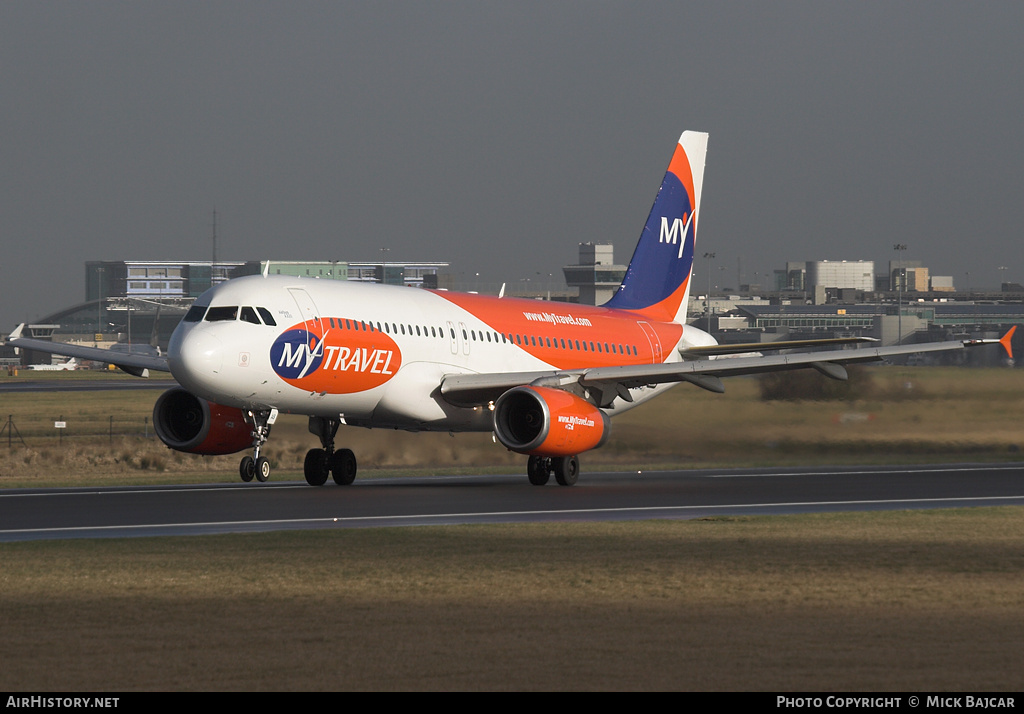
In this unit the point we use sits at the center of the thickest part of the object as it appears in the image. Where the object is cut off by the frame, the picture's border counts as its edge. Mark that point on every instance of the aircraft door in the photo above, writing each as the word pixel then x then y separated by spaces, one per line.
pixel 307 309
pixel 652 337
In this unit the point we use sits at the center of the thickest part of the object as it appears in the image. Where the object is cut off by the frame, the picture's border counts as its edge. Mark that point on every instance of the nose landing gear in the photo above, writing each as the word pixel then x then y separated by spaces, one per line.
pixel 257 466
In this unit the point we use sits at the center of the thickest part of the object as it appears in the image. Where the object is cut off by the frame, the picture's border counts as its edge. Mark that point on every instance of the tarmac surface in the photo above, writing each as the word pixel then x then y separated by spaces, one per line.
pixel 36 514
pixel 84 385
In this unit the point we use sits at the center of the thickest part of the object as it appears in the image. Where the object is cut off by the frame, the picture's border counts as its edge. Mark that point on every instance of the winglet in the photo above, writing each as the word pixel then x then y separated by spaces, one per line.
pixel 1005 341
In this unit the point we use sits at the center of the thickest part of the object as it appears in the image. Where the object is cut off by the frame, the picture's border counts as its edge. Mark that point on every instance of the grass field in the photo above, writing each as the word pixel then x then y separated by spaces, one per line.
pixel 899 415
pixel 901 601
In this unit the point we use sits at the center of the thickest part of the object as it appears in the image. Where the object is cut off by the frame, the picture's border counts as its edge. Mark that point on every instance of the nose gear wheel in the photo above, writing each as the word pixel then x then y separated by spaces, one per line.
pixel 257 466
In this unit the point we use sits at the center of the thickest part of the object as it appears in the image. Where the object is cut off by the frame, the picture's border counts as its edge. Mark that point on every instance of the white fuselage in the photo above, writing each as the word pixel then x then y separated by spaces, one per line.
pixel 375 355
pixel 68 366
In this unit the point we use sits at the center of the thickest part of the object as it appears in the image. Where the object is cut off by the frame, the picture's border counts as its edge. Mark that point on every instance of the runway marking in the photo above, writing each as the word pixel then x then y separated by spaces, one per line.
pixel 493 514
pixel 114 491
pixel 925 469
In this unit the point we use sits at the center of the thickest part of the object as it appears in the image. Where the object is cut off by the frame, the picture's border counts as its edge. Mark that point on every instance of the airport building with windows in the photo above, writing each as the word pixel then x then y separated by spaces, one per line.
pixel 597 276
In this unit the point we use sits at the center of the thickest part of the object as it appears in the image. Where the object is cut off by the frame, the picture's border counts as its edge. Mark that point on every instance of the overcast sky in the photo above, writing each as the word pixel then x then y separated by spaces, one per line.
pixel 497 136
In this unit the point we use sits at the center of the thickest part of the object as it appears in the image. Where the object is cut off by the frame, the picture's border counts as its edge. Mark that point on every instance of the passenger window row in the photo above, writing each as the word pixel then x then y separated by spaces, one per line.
pixel 393 328
pixel 253 315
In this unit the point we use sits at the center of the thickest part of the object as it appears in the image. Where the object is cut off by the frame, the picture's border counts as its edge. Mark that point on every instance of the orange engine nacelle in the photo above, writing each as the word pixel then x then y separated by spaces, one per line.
pixel 187 423
pixel 542 421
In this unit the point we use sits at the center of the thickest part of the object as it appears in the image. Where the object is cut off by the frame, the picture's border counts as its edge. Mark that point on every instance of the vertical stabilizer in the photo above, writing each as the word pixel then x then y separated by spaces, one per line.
pixel 657 282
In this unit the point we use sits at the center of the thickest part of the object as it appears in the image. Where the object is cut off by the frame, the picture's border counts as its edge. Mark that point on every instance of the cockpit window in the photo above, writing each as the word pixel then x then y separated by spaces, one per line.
pixel 267 317
pixel 249 315
pixel 219 314
pixel 195 313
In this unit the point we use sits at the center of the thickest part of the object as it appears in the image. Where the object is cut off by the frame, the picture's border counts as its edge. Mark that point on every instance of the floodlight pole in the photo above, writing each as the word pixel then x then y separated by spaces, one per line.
pixel 707 303
pixel 900 277
pixel 99 302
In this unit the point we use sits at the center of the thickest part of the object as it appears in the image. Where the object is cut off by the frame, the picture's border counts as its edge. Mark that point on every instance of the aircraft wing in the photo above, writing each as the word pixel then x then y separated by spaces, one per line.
pixel 605 383
pixel 132 364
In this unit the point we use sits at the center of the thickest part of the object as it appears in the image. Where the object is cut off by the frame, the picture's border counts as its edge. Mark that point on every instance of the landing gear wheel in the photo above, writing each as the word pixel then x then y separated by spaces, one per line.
pixel 247 468
pixel 262 469
pixel 537 470
pixel 257 466
pixel 567 470
pixel 315 467
pixel 343 467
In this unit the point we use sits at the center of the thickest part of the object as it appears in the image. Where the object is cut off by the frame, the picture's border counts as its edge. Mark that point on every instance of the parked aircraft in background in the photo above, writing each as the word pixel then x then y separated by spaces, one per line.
pixel 70 365
pixel 544 377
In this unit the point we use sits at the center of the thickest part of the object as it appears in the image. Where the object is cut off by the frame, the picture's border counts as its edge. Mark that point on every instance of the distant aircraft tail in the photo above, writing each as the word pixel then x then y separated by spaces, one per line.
pixel 657 282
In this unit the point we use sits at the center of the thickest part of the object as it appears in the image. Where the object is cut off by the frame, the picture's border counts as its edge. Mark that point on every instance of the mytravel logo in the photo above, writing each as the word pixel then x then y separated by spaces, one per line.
pixel 337 362
pixel 676 234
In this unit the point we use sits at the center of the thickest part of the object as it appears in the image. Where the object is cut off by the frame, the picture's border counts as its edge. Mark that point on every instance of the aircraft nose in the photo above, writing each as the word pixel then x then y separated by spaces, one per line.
pixel 198 360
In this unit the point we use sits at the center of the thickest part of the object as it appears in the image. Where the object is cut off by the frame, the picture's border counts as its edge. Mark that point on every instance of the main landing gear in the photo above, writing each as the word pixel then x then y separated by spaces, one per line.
pixel 257 466
pixel 566 469
pixel 341 464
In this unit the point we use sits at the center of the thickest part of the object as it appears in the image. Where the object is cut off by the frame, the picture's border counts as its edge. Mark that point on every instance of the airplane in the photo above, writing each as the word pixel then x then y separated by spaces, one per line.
pixel 544 377
pixel 69 365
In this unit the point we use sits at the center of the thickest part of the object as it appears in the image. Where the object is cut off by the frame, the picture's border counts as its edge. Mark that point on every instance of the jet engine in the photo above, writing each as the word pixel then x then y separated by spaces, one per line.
pixel 187 423
pixel 542 421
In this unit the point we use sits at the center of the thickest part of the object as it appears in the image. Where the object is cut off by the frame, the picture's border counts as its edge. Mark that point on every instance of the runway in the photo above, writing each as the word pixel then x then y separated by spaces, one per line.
pixel 36 514
pixel 84 385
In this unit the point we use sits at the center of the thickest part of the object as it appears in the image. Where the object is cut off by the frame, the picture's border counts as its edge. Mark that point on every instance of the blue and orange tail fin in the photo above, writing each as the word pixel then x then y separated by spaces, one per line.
pixel 657 282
